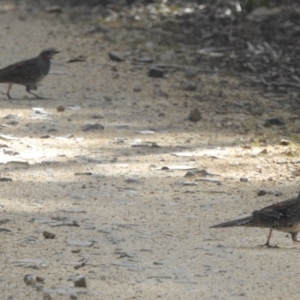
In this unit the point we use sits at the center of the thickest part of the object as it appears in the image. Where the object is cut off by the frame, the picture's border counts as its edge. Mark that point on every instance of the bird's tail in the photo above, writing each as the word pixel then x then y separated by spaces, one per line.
pixel 248 221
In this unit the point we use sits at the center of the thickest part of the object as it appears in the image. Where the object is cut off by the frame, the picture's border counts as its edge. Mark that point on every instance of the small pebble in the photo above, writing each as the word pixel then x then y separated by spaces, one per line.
pixel 261 193
pixel 48 235
pixel 60 108
pixel 115 56
pixel 79 281
pixel 284 142
pixel 156 72
pixel 244 179
pixel 195 115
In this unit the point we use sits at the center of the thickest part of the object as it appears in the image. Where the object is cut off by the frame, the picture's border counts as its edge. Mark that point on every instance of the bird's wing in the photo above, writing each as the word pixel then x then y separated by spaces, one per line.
pixel 24 71
pixel 277 211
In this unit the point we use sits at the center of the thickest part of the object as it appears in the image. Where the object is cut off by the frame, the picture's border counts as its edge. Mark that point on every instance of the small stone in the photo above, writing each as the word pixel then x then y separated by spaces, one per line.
pixel 76 251
pixel 190 174
pixel 5 179
pixel 284 142
pixel 79 281
pixel 83 174
pixel 274 122
pixel 265 151
pixel 195 115
pixel 48 235
pixel 132 180
pixel 39 279
pixel 29 279
pixel 96 126
pixel 96 116
pixel 60 108
pixel 115 56
pixel 156 72
pixel 261 193
pixel 244 179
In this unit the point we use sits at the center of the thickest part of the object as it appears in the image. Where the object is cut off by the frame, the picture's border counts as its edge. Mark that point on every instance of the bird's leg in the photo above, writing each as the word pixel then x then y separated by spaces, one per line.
pixel 267 244
pixel 294 237
pixel 8 89
pixel 28 90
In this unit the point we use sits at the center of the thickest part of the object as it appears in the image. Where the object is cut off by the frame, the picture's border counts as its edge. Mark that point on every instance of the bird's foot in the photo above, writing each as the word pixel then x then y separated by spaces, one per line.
pixel 6 94
pixel 269 246
pixel 35 95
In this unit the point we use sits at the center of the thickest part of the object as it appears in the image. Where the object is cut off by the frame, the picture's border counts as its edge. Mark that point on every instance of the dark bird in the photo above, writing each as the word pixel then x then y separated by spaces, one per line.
pixel 28 72
pixel 283 216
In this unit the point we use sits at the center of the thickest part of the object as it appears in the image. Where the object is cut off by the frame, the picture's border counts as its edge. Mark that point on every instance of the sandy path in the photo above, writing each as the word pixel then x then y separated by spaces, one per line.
pixel 148 227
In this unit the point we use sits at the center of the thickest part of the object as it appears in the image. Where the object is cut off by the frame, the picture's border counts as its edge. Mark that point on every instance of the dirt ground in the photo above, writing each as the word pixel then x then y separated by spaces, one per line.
pixel 123 212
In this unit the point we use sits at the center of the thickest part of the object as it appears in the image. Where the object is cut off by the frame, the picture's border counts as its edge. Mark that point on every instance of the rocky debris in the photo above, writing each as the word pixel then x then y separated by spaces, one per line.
pixel 190 174
pixel 48 235
pixel 284 142
pixel 89 127
pixel 30 279
pixel 83 174
pixel 156 72
pixel 60 108
pixel 79 281
pixel 115 56
pixel 82 262
pixel 274 122
pixel 244 179
pixel 195 115
pixel 262 193
pixel 5 179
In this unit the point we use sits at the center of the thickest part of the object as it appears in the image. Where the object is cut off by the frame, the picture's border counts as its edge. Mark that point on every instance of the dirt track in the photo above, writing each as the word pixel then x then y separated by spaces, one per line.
pixel 148 226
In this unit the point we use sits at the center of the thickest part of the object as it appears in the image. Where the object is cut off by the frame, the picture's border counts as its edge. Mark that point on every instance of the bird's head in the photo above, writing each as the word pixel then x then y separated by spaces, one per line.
pixel 47 54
